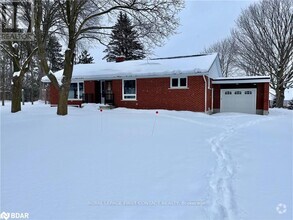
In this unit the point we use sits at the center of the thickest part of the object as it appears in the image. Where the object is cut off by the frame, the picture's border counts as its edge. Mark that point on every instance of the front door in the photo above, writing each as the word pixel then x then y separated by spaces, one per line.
pixel 106 92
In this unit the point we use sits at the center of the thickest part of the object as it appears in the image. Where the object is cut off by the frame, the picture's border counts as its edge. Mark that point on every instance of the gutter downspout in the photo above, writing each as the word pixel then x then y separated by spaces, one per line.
pixel 205 93
pixel 212 100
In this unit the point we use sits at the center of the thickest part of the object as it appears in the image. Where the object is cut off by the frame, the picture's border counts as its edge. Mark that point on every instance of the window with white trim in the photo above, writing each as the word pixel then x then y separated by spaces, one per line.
pixel 76 91
pixel 129 89
pixel 179 82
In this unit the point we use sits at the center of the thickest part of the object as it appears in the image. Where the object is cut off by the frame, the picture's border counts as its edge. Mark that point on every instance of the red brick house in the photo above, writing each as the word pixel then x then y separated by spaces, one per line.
pixel 192 83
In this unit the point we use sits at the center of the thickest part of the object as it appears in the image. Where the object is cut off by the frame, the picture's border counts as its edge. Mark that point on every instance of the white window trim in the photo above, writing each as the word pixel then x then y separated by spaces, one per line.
pixel 69 99
pixel 178 87
pixel 128 99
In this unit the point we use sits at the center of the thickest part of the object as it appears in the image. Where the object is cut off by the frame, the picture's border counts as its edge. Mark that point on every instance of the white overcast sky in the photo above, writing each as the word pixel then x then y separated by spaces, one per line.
pixel 203 22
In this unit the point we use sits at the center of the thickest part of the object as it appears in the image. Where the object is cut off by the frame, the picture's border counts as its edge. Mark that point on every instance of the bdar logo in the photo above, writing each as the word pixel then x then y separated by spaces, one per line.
pixel 4 215
pixel 14 215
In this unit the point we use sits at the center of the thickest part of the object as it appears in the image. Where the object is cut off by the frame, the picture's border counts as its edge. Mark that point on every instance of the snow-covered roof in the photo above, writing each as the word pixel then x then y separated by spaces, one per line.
pixel 242 79
pixel 184 65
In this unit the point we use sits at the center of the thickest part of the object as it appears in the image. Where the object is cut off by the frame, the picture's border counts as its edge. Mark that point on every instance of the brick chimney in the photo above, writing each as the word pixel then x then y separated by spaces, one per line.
pixel 120 59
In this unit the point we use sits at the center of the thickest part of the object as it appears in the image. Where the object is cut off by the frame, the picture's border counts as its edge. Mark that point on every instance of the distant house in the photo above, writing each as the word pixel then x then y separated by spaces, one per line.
pixel 192 83
pixel 288 97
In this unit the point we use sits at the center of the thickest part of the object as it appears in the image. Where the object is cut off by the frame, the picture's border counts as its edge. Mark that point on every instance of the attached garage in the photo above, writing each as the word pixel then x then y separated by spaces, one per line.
pixel 241 94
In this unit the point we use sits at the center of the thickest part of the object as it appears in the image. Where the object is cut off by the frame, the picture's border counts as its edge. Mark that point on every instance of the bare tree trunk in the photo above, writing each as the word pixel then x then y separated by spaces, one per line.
pixel 16 95
pixel 62 101
pixel 280 96
pixel 67 75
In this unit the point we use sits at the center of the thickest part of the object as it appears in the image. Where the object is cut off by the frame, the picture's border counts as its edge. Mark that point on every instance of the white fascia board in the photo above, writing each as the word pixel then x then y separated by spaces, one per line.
pixel 240 81
pixel 136 76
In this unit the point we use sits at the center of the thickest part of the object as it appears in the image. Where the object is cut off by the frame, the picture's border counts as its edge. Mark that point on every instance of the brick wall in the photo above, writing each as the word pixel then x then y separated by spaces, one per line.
pixel 260 96
pixel 266 93
pixel 155 93
pixel 54 97
pixel 89 91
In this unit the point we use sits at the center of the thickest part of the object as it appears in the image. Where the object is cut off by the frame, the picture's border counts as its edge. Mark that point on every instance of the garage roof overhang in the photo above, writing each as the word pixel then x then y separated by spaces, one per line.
pixel 241 80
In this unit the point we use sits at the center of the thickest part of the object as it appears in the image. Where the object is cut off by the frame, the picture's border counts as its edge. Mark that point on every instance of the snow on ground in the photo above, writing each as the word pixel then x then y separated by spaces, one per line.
pixel 139 165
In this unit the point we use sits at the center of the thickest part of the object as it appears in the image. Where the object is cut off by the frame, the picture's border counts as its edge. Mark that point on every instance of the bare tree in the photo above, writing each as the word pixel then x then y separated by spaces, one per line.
pixel 91 19
pixel 20 61
pixel 264 38
pixel 46 19
pixel 3 76
pixel 20 68
pixel 5 69
pixel 226 50
pixel 2 66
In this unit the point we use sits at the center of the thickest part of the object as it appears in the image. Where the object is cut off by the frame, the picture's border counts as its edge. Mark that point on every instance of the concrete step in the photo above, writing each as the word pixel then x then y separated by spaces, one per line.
pixel 106 107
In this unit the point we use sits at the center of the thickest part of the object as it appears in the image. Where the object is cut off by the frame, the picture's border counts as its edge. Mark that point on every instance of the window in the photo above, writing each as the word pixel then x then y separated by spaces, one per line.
pixel 129 89
pixel 76 91
pixel 183 82
pixel 175 82
pixel 237 93
pixel 179 82
pixel 80 94
pixel 247 92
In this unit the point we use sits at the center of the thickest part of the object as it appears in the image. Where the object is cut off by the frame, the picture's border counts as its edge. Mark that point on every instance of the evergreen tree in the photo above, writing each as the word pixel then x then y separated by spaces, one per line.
pixel 55 57
pixel 124 41
pixel 85 57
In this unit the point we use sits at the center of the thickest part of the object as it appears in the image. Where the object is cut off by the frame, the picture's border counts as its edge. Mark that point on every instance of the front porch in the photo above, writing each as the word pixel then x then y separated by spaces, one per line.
pixel 95 91
pixel 98 92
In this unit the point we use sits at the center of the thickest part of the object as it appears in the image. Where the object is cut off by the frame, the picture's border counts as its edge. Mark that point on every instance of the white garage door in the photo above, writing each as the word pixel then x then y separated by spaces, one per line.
pixel 238 100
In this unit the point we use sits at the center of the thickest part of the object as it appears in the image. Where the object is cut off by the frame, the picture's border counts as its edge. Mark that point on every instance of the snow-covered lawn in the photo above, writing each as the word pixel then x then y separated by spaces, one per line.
pixel 139 165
